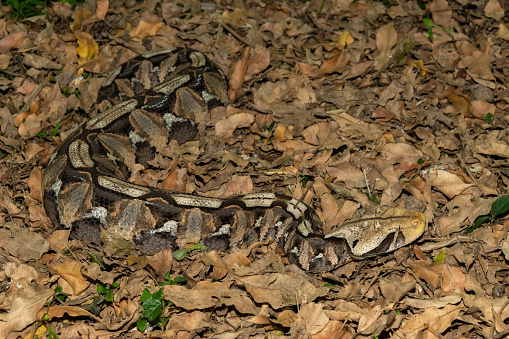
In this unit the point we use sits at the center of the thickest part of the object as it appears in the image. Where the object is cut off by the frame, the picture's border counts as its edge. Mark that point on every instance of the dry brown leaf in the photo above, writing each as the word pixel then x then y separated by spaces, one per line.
pixel 400 153
pixel 459 100
pixel 370 320
pixel 494 10
pixel 286 318
pixel 336 64
pixel 438 319
pixel 451 223
pixel 447 183
pixel 161 263
pixel 436 303
pixel 423 270
pixel 481 108
pixel 12 41
pixel 347 173
pixel 22 313
pixel 5 59
pixel 441 12
pixel 61 311
pixel 21 243
pixel 70 271
pixel 503 31
pixel 145 29
pixel 453 278
pixel 480 65
pixel 393 291
pixel 337 330
pixel 186 325
pixel 386 38
pixel 280 290
pixel 313 318
pixel 102 9
pixel 258 62
pixel 226 127
pixel 238 74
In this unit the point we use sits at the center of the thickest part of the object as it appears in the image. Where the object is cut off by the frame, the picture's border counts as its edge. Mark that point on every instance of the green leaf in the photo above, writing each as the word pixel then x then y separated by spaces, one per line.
pixel 430 34
pixel 427 22
pixel 478 222
pixel 152 309
pixel 109 295
pixel 115 285
pixel 440 257
pixel 145 295
pixel 500 206
pixel 101 289
pixel 141 324
pixel 489 118
pixel 184 253
pixel 158 295
pixel 180 279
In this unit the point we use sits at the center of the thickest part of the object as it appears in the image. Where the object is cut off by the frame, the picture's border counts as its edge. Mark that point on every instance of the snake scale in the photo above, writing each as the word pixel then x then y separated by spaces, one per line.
pixel 151 100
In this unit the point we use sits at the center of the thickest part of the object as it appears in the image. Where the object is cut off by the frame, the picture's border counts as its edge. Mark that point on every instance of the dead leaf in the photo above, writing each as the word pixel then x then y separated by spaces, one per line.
pixel 280 290
pixel 70 271
pixel 225 128
pixel 447 183
pixel 61 311
pixel 22 244
pixel 493 10
pixel 161 263
pixel 386 38
pixel 145 29
pixel 23 312
pixel 459 100
pixel 12 41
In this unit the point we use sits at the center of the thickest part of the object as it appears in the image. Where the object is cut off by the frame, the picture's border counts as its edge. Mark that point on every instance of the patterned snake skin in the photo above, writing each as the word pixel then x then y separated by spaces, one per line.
pixel 153 99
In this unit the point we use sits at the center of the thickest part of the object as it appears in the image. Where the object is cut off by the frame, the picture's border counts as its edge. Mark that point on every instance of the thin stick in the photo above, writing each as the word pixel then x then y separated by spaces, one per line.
pixel 238 37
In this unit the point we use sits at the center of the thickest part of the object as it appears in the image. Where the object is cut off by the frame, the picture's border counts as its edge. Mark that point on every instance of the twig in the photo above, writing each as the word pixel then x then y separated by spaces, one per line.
pixel 419 281
pixel 14 74
pixel 468 172
pixel 32 98
pixel 238 37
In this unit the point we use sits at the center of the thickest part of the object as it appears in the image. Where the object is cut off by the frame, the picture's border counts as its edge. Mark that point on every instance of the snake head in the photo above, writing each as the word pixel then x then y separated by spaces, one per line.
pixel 377 231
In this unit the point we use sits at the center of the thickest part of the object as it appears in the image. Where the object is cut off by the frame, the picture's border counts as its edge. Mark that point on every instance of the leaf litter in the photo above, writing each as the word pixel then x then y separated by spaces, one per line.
pixel 341 104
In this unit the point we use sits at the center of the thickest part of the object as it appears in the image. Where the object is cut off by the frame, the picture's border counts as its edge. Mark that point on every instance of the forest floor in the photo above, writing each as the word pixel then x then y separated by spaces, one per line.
pixel 339 103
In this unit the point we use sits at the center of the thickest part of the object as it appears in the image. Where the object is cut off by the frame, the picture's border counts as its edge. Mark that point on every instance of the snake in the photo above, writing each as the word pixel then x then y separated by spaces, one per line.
pixel 142 106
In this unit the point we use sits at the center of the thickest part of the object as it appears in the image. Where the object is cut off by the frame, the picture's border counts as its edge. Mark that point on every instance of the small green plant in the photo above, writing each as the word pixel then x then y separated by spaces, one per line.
pixel 439 258
pixel 152 305
pixel 489 118
pixel 169 281
pixel 271 127
pixel 107 292
pixel 95 259
pixel 66 92
pixel 184 252
pixel 449 31
pixel 403 53
pixel 73 2
pixel 26 8
pixel 105 295
pixel 53 133
pixel 59 294
pixel 499 207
